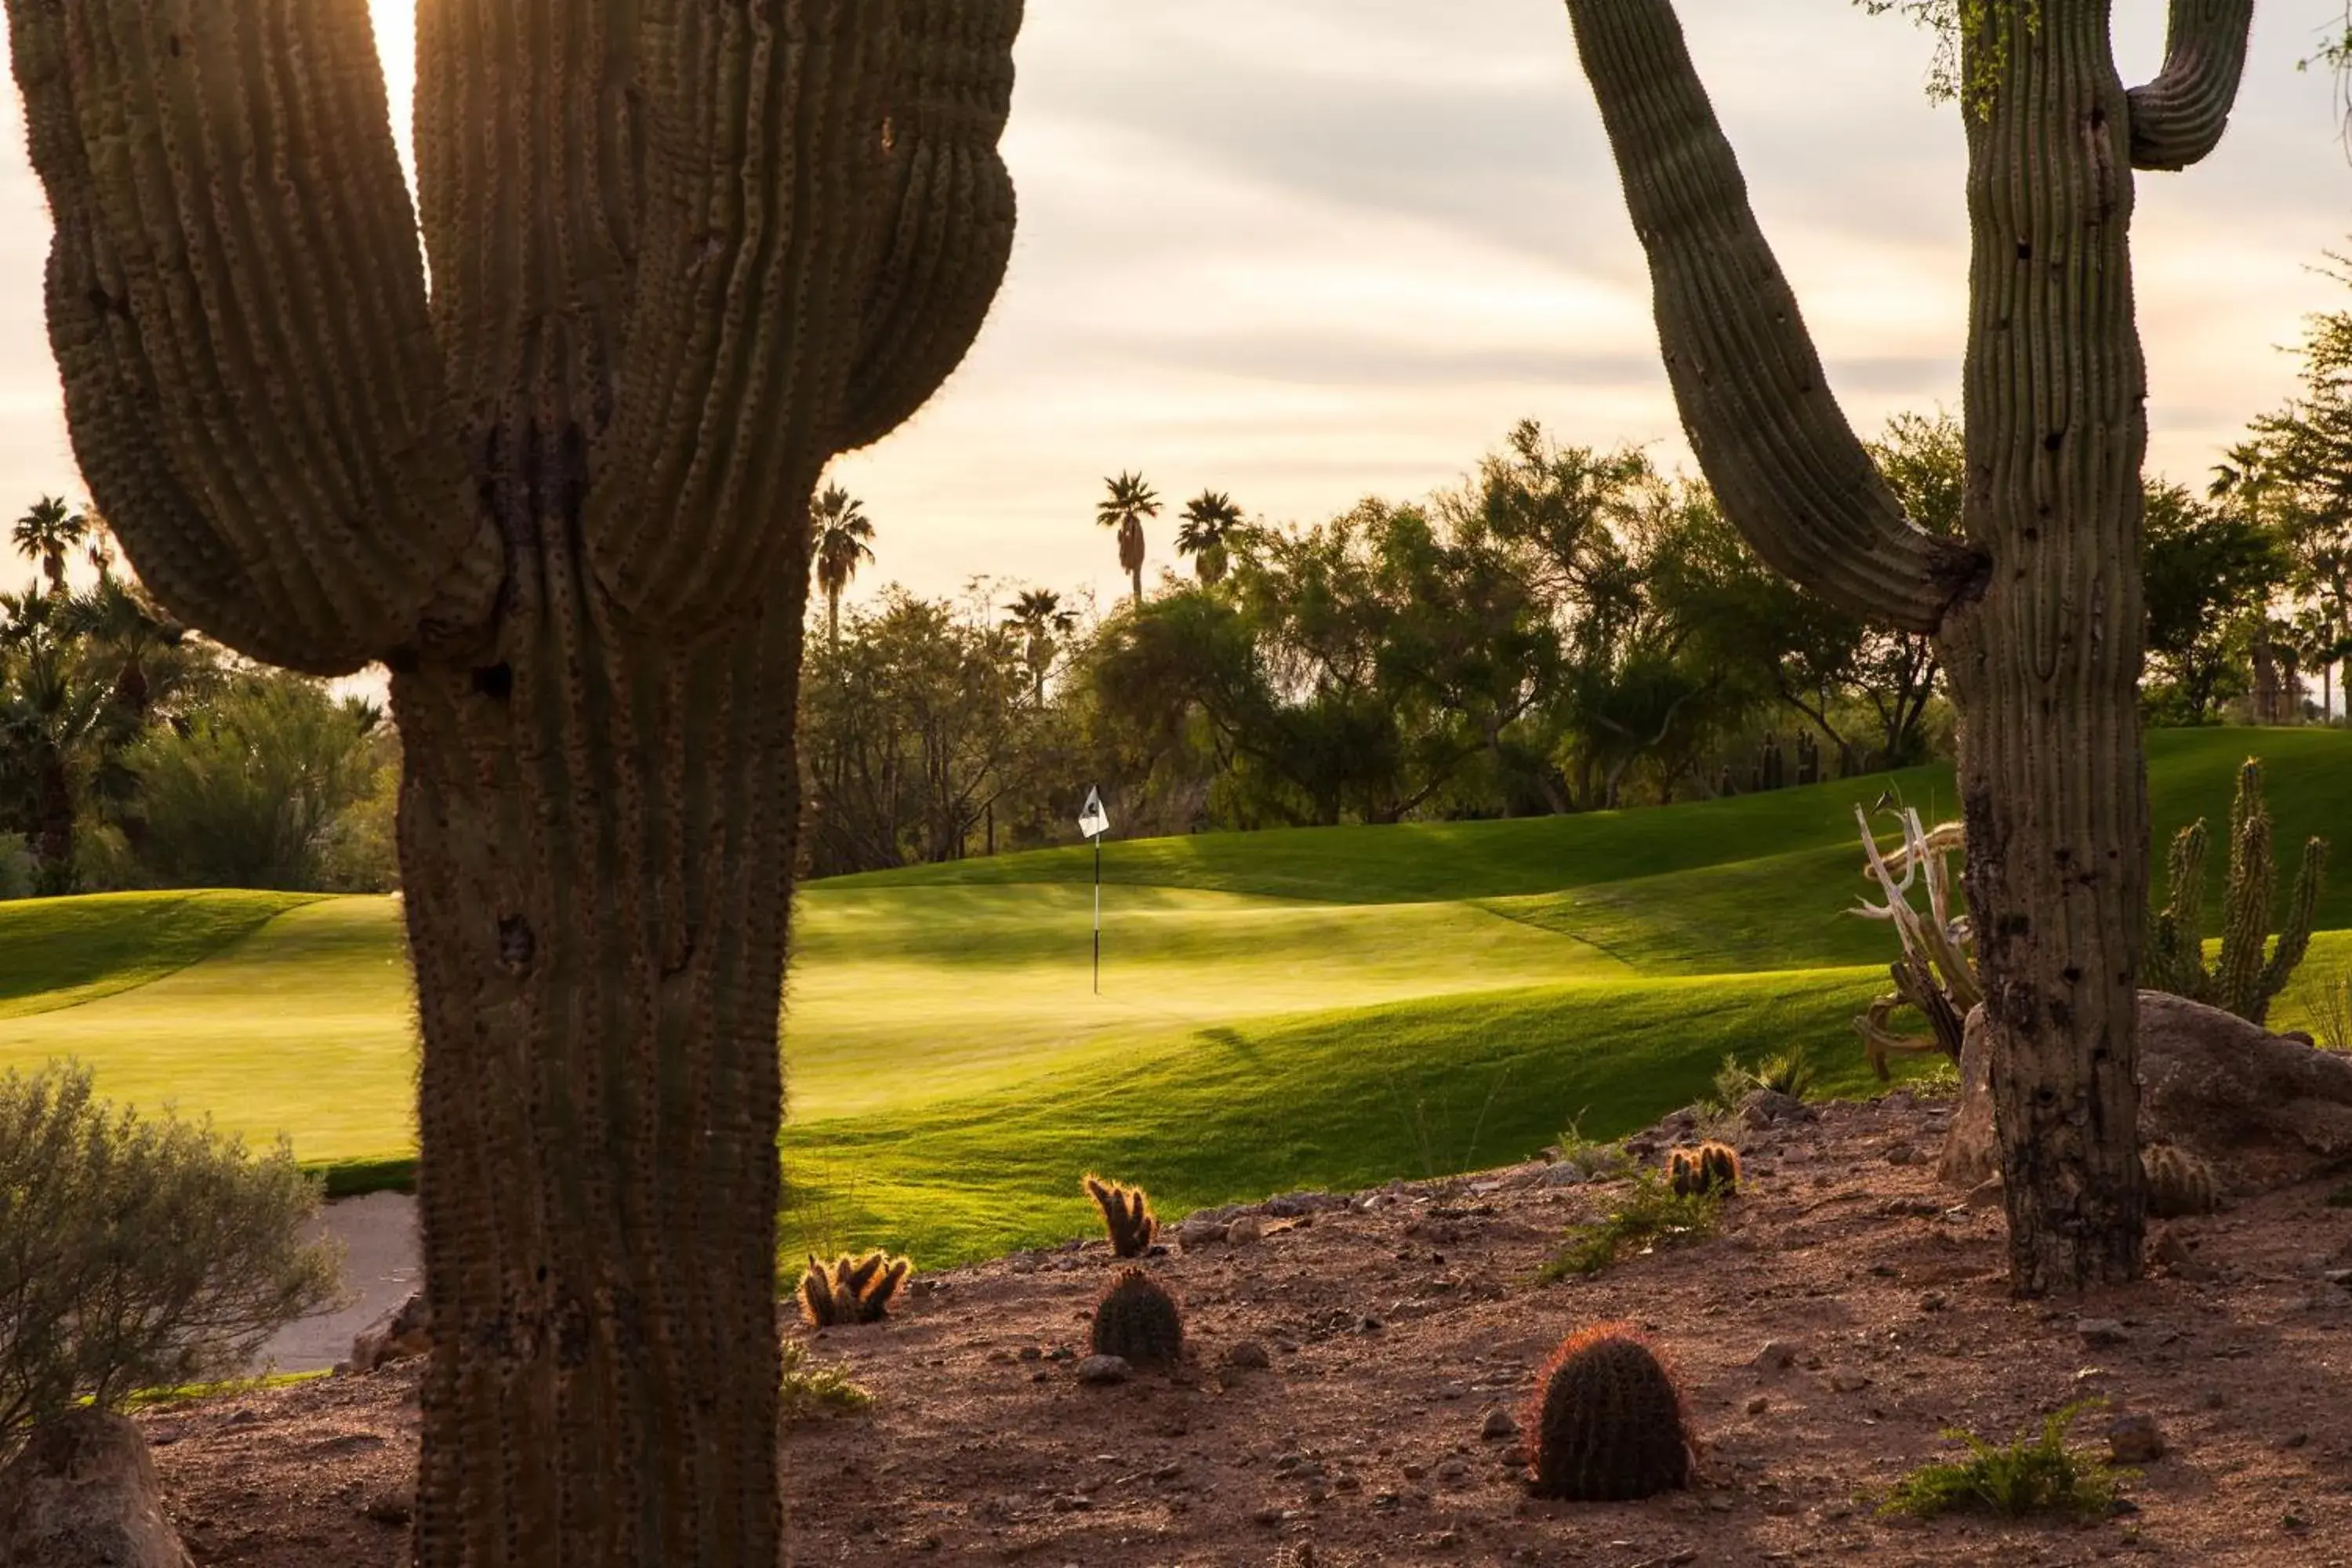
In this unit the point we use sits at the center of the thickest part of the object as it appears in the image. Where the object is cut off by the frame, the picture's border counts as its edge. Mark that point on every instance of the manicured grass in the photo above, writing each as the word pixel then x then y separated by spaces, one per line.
pixel 60 952
pixel 1325 1008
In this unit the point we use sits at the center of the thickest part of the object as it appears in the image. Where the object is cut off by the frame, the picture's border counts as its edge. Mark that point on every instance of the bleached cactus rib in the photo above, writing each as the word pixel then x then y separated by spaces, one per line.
pixel 227 192
pixel 1777 449
pixel 2178 119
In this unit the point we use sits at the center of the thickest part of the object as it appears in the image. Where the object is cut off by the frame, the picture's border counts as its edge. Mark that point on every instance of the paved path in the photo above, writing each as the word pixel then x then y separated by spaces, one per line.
pixel 379 1265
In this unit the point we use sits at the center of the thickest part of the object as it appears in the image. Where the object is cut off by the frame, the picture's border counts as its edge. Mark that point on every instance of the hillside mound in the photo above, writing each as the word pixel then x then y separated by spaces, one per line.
pixel 1392 1335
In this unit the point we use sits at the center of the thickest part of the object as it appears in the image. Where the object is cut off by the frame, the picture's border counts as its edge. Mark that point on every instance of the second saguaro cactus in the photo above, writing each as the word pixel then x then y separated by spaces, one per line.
pixel 682 253
pixel 2037 612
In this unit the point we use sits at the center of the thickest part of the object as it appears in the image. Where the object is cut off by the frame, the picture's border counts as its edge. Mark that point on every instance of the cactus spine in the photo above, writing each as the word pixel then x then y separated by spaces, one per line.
pixel 1608 1423
pixel 2038 614
pixel 681 255
pixel 2249 973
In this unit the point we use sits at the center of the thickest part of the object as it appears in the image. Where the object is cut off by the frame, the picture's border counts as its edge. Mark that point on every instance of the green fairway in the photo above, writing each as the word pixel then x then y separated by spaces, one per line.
pixel 1317 1007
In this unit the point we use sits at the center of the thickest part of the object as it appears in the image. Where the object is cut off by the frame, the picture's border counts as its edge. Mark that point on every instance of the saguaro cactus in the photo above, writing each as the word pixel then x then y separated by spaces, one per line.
pixel 681 254
pixel 2038 613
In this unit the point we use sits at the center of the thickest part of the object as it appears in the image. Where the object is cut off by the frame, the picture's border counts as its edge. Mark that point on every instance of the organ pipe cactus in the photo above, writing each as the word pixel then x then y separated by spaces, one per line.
pixel 681 255
pixel 2037 611
pixel 2250 973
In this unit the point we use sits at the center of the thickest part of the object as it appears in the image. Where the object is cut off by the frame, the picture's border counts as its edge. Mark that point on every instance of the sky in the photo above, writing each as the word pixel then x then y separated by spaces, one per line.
pixel 1312 251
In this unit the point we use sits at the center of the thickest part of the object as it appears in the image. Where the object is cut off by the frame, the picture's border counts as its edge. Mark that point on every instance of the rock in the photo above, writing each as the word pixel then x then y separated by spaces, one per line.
pixel 1903 1152
pixel 2262 1110
pixel 1499 1424
pixel 1246 1230
pixel 2135 1438
pixel 1248 1355
pixel 390 1505
pixel 1848 1380
pixel 1455 1470
pixel 2100 1331
pixel 1566 1175
pixel 1758 1404
pixel 82 1494
pixel 1103 1370
pixel 1198 1232
pixel 1775 1356
pixel 397 1335
pixel 1760 1107
pixel 2339 1277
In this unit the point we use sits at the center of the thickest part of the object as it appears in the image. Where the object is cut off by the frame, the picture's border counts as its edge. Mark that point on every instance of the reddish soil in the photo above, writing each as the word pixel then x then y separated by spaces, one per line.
pixel 1395 1325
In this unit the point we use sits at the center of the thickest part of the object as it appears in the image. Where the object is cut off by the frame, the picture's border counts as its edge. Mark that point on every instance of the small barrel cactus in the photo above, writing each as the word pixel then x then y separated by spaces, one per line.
pixel 1708 1167
pixel 1138 1321
pixel 851 1290
pixel 1608 1423
pixel 1127 1215
pixel 2179 1182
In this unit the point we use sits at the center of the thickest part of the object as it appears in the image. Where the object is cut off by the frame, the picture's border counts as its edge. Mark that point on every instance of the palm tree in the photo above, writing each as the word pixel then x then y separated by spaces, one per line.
pixel 839 538
pixel 1038 614
pixel 1211 521
pixel 1129 502
pixel 46 533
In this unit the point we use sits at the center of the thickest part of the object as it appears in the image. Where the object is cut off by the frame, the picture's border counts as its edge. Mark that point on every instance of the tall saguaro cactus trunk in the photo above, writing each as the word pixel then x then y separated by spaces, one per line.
pixel 682 254
pixel 2038 614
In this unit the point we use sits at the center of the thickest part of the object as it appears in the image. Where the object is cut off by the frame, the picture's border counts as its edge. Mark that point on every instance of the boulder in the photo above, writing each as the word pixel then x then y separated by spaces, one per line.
pixel 397 1335
pixel 82 1494
pixel 2262 1110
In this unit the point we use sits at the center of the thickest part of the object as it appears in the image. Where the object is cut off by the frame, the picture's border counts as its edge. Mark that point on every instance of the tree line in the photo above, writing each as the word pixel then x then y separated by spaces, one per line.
pixel 1569 629
pixel 134 753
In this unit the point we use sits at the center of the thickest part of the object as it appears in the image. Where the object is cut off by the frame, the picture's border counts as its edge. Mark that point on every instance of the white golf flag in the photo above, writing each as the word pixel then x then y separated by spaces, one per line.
pixel 1094 821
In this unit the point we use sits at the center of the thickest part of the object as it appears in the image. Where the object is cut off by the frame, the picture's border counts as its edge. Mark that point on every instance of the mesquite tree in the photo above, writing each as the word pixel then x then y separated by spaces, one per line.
pixel 682 253
pixel 2037 610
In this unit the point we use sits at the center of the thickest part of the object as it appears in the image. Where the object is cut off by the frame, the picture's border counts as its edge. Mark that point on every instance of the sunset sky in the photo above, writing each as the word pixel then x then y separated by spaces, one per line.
pixel 1310 251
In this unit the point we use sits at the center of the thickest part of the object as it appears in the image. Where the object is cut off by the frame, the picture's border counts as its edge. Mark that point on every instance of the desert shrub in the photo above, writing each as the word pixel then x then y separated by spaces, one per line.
pixel 1651 1213
pixel 1791 1072
pixel 1592 1158
pixel 139 1252
pixel 2034 1473
pixel 812 1388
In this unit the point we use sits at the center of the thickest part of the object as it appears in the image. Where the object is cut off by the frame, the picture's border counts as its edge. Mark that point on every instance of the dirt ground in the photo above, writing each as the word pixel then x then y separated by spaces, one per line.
pixel 1394 1326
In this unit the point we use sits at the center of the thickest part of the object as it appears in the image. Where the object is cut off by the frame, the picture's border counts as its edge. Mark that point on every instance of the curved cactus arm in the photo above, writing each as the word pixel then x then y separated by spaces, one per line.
pixel 944 212
pixel 239 318
pixel 2178 118
pixel 1767 429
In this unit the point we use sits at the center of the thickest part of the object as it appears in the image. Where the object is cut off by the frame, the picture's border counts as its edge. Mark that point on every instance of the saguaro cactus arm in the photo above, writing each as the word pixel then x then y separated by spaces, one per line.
pixel 238 314
pixel 2178 118
pixel 1768 433
pixel 867 230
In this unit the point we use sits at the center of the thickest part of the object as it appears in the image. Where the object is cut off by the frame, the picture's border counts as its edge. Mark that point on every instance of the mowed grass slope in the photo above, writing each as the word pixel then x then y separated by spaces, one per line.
pixel 1324 1007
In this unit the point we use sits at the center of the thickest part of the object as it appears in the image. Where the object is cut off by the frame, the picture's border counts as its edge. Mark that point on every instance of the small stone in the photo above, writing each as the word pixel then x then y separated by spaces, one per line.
pixel 1104 1370
pixel 2135 1438
pixel 1031 1353
pixel 1847 1380
pixel 1778 1355
pixel 1270 1514
pixel 2173 1253
pixel 2339 1277
pixel 1903 1154
pixel 1453 1391
pixel 1933 1301
pixel 2100 1331
pixel 1199 1233
pixel 1758 1404
pixel 1413 1472
pixel 390 1505
pixel 1455 1469
pixel 1248 1355
pixel 1246 1230
pixel 1498 1423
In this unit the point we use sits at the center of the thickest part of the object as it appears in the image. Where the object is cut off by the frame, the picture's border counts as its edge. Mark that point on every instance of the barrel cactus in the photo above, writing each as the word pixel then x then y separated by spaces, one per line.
pixel 681 255
pixel 1137 1319
pixel 2250 973
pixel 1608 1423
pixel 2037 612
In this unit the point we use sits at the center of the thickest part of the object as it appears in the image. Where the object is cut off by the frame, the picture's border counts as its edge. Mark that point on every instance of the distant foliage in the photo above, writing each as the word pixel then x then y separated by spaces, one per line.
pixel 138 1253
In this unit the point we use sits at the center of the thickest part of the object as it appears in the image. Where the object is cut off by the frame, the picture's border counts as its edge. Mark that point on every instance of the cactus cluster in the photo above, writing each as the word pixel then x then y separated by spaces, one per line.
pixel 851 1290
pixel 1708 1167
pixel 2244 979
pixel 1127 1215
pixel 1609 1422
pixel 1138 1321
pixel 2179 1182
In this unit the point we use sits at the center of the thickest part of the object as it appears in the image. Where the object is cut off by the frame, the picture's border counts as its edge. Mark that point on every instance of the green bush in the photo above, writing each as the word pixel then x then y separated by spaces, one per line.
pixel 2030 1474
pixel 1650 1214
pixel 138 1253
